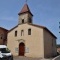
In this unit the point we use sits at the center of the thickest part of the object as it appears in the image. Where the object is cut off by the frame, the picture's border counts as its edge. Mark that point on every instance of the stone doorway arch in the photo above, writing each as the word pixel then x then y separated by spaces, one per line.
pixel 21 49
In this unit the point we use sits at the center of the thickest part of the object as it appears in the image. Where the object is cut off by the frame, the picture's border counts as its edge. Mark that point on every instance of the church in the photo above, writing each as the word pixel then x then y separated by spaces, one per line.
pixel 31 40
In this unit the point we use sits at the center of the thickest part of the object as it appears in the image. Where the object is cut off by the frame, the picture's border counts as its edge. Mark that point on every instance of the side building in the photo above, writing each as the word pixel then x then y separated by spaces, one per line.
pixel 3 36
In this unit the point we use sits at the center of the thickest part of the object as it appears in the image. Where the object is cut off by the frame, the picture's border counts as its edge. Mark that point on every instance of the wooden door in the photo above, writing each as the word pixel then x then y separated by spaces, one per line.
pixel 21 49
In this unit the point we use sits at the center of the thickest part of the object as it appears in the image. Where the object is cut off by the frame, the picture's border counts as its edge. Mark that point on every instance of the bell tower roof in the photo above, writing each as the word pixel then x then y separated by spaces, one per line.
pixel 25 9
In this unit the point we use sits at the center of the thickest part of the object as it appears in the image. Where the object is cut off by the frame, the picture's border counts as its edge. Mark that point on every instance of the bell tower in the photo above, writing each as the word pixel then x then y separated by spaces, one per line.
pixel 25 15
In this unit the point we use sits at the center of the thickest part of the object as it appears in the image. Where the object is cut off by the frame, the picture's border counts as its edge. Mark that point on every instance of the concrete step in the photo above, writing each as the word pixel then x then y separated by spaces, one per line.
pixel 25 58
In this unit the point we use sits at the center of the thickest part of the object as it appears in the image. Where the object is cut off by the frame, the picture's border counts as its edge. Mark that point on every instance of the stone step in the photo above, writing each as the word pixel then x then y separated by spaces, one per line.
pixel 25 58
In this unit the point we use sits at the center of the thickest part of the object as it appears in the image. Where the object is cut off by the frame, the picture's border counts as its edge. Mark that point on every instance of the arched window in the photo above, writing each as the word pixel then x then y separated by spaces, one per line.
pixel 1 36
pixel 22 20
pixel 30 20
pixel 29 31
pixel 15 33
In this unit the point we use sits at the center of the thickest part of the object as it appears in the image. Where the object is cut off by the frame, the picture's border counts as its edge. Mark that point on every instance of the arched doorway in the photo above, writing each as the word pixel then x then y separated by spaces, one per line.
pixel 21 49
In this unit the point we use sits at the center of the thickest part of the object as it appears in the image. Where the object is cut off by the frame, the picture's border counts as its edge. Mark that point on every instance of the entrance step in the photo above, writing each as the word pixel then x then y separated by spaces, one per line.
pixel 25 58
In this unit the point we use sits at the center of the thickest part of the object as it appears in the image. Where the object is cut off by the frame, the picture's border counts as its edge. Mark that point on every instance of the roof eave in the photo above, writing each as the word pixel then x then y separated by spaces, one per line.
pixel 50 32
pixel 25 12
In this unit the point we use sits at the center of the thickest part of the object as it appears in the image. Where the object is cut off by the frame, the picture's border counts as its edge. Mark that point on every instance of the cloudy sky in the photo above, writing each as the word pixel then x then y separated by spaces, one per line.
pixel 46 13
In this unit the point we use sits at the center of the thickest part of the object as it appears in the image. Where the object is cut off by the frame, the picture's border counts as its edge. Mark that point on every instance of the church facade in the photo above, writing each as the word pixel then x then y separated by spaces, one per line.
pixel 31 40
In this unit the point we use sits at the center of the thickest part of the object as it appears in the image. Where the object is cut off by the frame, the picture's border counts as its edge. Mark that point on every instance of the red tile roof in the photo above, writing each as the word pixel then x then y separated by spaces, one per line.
pixel 25 9
pixel 3 28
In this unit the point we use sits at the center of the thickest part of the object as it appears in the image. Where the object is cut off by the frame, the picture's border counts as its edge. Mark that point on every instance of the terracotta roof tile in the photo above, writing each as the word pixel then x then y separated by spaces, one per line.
pixel 25 9
pixel 3 28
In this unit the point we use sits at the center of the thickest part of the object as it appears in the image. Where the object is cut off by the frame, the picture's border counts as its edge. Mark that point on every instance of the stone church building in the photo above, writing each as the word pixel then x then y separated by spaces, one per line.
pixel 30 40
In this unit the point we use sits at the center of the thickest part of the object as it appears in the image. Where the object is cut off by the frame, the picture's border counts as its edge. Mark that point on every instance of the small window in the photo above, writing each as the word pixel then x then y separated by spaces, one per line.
pixel 30 20
pixel 29 31
pixel 1 37
pixel 22 32
pixel 15 33
pixel 22 20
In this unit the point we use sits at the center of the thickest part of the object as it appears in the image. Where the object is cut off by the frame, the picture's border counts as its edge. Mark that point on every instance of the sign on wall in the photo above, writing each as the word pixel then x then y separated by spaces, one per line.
pixel 16 50
pixel 26 50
